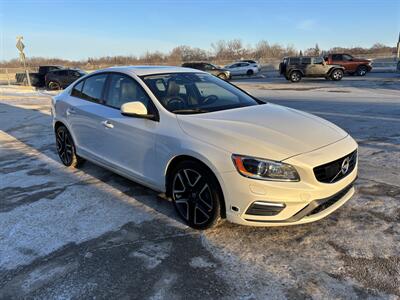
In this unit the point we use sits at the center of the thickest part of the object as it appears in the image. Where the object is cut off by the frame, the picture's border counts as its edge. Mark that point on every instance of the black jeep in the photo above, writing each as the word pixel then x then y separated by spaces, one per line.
pixel 296 67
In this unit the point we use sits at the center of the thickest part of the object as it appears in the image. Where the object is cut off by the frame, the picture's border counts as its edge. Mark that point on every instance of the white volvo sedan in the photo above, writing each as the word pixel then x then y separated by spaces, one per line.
pixel 213 149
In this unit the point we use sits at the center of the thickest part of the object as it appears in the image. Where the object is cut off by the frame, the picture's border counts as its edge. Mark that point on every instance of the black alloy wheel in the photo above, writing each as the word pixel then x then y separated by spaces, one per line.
pixel 196 195
pixel 66 148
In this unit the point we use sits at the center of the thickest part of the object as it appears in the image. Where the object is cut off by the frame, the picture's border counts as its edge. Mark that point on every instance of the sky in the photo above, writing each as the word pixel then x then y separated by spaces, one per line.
pixel 81 29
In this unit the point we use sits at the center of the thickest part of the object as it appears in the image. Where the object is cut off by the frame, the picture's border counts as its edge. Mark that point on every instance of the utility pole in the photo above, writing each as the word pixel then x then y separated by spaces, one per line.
pixel 20 46
pixel 398 47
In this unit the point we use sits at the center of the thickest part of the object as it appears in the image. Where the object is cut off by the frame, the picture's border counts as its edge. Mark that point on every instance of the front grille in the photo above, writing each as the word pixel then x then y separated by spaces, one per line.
pixel 332 172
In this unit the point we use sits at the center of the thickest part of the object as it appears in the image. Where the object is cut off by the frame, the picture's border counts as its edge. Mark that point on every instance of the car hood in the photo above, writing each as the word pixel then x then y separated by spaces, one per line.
pixel 268 131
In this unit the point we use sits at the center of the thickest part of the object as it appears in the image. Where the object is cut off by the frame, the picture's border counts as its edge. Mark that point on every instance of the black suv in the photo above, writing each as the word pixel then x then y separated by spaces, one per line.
pixel 209 68
pixel 294 68
pixel 60 79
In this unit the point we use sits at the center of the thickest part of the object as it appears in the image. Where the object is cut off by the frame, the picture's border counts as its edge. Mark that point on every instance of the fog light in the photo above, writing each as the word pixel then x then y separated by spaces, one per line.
pixel 264 208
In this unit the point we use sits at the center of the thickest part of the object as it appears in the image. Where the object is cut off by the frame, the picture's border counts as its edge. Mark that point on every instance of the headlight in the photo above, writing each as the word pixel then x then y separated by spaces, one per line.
pixel 264 169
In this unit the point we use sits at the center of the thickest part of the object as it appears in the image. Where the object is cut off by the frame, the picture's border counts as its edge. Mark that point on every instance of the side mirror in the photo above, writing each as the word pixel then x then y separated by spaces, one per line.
pixel 136 109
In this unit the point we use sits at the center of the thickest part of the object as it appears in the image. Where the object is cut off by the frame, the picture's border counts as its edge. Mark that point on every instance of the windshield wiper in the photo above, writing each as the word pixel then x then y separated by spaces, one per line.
pixel 189 111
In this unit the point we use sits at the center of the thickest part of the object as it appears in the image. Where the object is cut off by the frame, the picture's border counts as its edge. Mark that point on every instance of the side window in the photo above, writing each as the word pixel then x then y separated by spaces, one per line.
pixel 347 57
pixel 77 89
pixel 318 60
pixel 295 60
pixel 93 87
pixel 337 57
pixel 306 60
pixel 123 89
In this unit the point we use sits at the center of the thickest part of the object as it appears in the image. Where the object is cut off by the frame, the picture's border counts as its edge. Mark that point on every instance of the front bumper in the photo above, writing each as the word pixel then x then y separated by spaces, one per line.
pixel 305 201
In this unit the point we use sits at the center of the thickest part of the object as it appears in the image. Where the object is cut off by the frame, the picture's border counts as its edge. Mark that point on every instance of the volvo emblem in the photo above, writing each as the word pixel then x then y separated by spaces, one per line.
pixel 345 165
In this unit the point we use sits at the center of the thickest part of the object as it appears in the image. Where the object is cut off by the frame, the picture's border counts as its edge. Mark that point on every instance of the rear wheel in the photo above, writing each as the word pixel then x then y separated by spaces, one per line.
pixel 337 74
pixel 249 72
pixel 222 76
pixel 66 148
pixel 53 85
pixel 196 195
pixel 295 76
pixel 362 70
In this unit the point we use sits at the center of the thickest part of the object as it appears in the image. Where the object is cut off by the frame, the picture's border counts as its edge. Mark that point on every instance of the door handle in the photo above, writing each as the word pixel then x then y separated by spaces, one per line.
pixel 71 111
pixel 107 124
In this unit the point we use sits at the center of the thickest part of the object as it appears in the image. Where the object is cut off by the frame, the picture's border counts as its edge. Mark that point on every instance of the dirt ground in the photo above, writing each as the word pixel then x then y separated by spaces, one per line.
pixel 89 233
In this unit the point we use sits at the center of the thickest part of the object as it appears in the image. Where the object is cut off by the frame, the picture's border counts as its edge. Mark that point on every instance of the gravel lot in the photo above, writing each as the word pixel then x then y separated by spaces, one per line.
pixel 90 233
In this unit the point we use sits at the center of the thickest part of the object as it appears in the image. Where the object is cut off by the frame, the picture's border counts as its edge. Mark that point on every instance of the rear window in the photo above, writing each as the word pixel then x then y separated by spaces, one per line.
pixel 93 87
pixel 294 60
pixel 77 89
pixel 318 60
pixel 336 57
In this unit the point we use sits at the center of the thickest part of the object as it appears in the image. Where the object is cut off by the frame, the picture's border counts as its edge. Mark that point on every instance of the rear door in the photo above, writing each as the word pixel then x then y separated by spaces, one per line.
pixel 235 69
pixel 316 67
pixel 85 112
pixel 348 63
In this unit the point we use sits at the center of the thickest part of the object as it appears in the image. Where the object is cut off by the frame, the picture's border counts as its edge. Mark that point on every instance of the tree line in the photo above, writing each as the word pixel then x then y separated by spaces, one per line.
pixel 221 52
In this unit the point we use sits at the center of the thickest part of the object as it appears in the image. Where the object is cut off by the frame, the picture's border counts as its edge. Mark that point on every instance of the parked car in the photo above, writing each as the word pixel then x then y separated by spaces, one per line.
pixel 209 68
pixel 37 79
pixel 351 64
pixel 215 150
pixel 242 68
pixel 296 67
pixel 60 79
pixel 252 62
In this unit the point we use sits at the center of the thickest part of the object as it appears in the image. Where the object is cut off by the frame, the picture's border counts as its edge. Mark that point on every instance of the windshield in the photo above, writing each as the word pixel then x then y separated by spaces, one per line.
pixel 186 93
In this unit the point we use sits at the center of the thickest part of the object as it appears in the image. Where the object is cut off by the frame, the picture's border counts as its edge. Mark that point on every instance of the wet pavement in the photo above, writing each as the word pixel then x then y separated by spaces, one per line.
pixel 89 233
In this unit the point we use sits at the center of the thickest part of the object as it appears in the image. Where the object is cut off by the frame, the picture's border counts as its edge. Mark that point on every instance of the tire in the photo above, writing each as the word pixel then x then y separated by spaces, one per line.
pixel 337 74
pixel 249 72
pixel 362 71
pixel 196 195
pixel 222 76
pixel 53 86
pixel 66 148
pixel 295 76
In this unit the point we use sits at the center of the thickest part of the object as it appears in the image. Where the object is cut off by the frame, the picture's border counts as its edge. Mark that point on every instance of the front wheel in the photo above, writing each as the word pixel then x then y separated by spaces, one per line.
pixel 196 195
pixel 337 75
pixel 362 70
pixel 66 148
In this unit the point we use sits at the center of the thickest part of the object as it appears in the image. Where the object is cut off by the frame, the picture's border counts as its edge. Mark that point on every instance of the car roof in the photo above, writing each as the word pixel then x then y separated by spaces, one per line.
pixel 149 70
